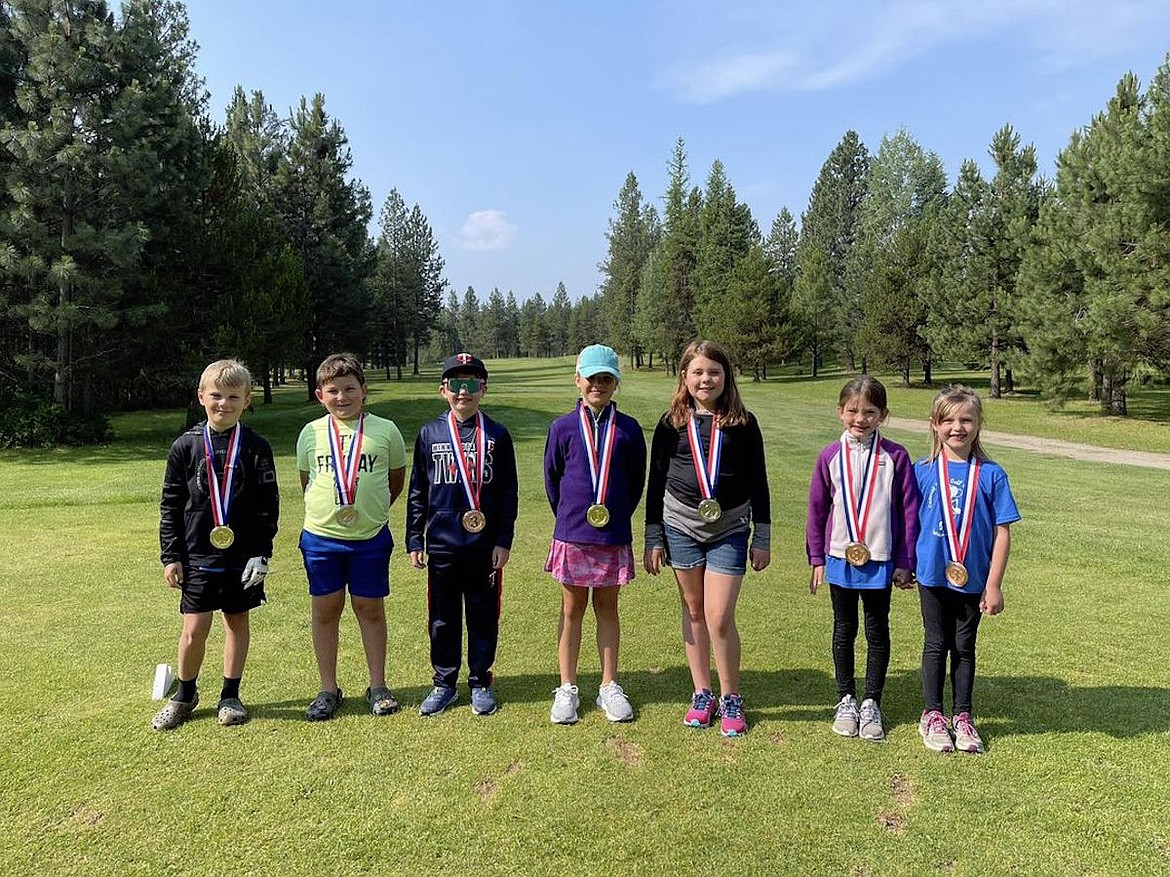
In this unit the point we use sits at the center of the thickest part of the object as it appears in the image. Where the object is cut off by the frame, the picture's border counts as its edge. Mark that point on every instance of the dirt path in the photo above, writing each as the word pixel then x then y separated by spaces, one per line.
pixel 1053 447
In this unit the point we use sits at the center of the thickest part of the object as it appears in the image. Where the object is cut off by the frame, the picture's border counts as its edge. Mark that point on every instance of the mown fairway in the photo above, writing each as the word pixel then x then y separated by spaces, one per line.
pixel 1073 690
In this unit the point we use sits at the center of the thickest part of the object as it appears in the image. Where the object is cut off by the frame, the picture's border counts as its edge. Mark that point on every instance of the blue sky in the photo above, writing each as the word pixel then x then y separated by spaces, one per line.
pixel 513 124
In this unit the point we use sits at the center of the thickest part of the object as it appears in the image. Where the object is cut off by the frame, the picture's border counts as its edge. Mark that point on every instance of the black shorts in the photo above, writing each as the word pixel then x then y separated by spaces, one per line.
pixel 206 591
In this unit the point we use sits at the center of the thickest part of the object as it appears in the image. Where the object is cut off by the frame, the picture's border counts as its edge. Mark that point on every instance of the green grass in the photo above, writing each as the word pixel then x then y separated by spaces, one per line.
pixel 1073 690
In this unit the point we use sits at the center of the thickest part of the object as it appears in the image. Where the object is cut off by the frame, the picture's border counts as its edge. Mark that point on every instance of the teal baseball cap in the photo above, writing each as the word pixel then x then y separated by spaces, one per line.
pixel 597 358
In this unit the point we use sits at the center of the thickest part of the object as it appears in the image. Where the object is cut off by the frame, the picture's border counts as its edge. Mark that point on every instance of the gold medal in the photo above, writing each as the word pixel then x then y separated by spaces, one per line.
pixel 222 537
pixel 857 554
pixel 598 515
pixel 474 521
pixel 956 574
pixel 347 516
pixel 710 510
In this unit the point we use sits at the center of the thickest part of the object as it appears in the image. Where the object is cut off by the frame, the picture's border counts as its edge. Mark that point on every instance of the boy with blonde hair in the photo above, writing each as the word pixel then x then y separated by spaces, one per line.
pixel 218 517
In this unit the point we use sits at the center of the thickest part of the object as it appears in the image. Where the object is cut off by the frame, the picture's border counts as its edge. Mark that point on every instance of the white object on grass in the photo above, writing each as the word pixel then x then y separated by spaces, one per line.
pixel 163 679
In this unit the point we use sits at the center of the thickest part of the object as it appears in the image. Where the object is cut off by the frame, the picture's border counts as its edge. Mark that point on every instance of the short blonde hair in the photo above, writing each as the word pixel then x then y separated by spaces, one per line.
pixel 226 373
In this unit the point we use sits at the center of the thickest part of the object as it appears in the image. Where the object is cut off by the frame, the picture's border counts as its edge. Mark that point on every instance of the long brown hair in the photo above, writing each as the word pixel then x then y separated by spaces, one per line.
pixel 945 403
pixel 729 406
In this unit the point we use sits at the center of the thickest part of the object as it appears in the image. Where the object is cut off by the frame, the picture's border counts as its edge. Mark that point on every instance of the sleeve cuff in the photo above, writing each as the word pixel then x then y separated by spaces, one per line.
pixel 762 537
pixel 655 536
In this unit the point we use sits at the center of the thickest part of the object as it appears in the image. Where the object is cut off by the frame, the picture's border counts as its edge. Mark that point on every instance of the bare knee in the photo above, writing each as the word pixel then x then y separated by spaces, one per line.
pixel 369 610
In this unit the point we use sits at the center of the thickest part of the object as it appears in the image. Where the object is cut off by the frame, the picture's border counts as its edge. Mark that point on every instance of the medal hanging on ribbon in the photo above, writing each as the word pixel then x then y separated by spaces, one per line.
pixel 221 535
pixel 598 514
pixel 857 511
pixel 958 536
pixel 706 469
pixel 345 469
pixel 473 519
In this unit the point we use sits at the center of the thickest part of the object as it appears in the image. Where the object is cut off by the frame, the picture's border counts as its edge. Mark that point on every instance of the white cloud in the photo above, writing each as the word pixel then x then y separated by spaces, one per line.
pixel 840 44
pixel 487 231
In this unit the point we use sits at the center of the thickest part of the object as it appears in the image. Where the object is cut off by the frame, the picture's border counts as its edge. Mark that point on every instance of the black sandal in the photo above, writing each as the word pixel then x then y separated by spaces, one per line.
pixel 324 705
pixel 381 701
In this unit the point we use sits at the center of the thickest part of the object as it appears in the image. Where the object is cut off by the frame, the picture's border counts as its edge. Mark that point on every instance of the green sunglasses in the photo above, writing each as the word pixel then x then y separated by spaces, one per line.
pixel 471 386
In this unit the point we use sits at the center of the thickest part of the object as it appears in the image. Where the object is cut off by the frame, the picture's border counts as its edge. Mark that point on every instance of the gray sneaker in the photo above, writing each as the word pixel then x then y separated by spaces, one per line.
pixel 613 700
pixel 174 714
pixel 230 711
pixel 870 721
pixel 845 722
pixel 935 734
pixel 565 703
pixel 967 739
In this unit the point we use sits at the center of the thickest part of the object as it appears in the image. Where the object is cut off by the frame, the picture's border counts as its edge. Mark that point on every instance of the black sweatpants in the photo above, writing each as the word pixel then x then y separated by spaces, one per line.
pixel 950 620
pixel 876 605
pixel 456 582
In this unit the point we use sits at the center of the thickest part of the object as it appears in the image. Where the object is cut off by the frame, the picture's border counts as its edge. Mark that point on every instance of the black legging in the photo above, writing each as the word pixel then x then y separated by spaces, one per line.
pixel 951 621
pixel 876 605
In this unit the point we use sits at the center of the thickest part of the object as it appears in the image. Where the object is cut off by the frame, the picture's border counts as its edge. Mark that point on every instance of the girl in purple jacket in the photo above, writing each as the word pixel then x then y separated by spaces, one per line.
pixel 862 526
pixel 594 469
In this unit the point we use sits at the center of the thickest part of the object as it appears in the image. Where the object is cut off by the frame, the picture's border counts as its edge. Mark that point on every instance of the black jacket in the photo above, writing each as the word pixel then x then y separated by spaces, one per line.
pixel 185 512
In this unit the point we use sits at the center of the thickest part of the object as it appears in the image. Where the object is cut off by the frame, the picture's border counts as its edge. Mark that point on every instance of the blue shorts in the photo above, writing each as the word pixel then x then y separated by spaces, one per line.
pixel 363 564
pixel 727 555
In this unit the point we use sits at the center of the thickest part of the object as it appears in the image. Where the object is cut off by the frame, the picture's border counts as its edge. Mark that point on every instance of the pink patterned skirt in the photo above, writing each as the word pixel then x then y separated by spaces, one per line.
pixel 590 566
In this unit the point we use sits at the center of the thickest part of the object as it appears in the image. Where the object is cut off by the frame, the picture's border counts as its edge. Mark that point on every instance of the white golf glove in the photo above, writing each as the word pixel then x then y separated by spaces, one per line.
pixel 254 572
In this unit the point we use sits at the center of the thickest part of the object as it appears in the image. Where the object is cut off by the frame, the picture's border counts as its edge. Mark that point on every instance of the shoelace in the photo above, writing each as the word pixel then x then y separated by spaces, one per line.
pixel 964 726
pixel 846 708
pixel 612 690
pixel 563 695
pixel 936 724
pixel 870 713
pixel 702 701
pixel 732 707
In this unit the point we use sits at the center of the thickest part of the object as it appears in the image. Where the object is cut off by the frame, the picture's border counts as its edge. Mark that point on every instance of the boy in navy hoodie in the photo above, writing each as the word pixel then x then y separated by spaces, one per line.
pixel 460 519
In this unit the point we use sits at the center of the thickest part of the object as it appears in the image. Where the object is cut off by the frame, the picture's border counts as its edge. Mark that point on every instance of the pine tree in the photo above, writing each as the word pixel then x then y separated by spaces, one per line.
pixel 633 233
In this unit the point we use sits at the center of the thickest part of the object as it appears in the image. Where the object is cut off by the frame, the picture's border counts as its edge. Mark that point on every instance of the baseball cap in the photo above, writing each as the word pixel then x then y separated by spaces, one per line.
pixel 597 358
pixel 464 362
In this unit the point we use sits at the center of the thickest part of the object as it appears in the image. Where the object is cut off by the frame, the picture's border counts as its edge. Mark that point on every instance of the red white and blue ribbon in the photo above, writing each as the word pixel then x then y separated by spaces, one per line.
pixel 958 537
pixel 221 492
pixel 706 471
pixel 470 487
pixel 345 466
pixel 599 467
pixel 857 510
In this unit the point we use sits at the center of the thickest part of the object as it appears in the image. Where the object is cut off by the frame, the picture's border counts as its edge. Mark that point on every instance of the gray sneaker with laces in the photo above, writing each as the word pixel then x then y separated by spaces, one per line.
pixel 846 720
pixel 935 734
pixel 870 721
pixel 967 739
pixel 613 700
pixel 565 703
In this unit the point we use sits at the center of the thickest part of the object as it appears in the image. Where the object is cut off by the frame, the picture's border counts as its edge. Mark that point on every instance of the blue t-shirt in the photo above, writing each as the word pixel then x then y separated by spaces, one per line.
pixel 994 505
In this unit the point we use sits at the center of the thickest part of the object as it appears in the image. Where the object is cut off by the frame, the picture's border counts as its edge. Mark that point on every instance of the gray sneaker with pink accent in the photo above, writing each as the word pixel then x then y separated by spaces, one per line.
pixel 967 739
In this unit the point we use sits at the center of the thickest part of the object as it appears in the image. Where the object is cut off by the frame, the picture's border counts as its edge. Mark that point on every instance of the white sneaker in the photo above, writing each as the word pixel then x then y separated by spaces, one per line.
pixel 870 721
pixel 846 720
pixel 565 703
pixel 613 700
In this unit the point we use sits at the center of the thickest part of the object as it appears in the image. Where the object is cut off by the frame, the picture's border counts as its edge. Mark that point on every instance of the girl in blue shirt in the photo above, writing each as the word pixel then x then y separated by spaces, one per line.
pixel 965 511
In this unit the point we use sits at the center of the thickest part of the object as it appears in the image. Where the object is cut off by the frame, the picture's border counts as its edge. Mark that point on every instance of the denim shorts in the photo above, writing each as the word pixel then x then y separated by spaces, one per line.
pixel 726 555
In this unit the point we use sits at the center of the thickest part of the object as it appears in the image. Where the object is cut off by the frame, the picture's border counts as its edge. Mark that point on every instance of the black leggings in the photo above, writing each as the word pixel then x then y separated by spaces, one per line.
pixel 876 603
pixel 951 621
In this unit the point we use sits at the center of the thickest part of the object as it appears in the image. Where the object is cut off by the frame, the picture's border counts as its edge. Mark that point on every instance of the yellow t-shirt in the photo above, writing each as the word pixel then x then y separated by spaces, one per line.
pixel 382 450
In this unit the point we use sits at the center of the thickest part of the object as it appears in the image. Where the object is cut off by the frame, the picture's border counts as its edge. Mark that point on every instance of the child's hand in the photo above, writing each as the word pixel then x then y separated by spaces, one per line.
pixel 904 579
pixel 652 560
pixel 500 557
pixel 991 603
pixel 760 558
pixel 816 579
pixel 418 560
pixel 173 574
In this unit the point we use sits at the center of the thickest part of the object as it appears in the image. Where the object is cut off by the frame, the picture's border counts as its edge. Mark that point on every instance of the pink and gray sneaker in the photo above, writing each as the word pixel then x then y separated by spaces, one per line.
pixel 935 735
pixel 703 710
pixel 732 723
pixel 967 739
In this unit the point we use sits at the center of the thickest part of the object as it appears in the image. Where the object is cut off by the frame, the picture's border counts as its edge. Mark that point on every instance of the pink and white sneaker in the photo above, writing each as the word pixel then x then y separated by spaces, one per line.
pixel 967 739
pixel 935 734
pixel 703 710
pixel 732 722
